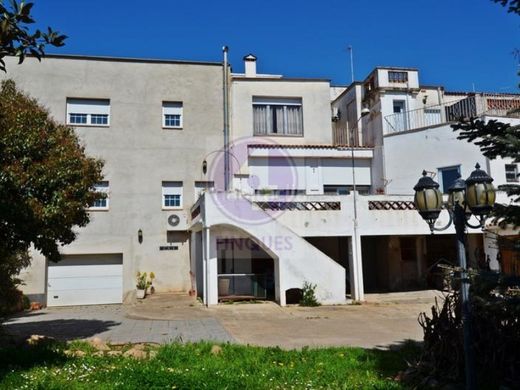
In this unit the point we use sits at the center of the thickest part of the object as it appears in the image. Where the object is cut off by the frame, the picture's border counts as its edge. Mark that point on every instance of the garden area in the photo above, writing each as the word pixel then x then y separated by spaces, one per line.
pixel 47 364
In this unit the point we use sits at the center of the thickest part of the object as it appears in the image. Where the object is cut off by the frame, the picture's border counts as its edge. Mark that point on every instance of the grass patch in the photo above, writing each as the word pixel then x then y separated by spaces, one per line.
pixel 194 366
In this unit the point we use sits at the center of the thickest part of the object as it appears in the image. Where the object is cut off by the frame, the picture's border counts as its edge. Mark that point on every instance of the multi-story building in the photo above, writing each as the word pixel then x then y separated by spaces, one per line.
pixel 287 213
pixel 409 129
pixel 151 122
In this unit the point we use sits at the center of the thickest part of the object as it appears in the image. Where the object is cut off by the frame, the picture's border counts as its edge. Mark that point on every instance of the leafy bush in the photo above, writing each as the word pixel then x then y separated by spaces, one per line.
pixel 309 295
pixel 11 299
pixel 495 305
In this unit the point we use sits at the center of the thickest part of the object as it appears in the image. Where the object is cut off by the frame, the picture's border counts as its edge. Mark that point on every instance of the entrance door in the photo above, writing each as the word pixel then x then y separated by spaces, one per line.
pixel 313 176
pixel 401 122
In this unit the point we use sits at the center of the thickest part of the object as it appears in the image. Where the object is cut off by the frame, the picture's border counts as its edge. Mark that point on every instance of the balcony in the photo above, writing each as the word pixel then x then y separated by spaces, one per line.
pixel 472 106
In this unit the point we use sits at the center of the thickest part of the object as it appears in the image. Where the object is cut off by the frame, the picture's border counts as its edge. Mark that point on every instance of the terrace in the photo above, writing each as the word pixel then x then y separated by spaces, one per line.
pixel 474 105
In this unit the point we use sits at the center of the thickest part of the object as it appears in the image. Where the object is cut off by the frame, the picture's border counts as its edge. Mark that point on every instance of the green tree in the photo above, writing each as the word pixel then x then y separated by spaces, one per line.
pixel 46 180
pixel 496 139
pixel 513 6
pixel 15 37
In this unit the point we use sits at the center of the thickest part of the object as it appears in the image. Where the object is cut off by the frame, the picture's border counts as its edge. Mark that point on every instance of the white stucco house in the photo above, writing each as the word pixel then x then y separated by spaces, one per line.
pixel 287 213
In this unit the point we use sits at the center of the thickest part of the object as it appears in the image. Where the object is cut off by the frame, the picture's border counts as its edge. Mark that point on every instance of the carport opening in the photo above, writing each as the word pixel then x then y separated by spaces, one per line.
pixel 337 248
pixel 410 263
pixel 245 271
pixel 293 296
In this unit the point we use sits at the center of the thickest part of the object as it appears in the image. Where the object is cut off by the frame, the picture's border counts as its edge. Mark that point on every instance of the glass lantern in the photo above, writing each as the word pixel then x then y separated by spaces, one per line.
pixel 428 199
pixel 480 193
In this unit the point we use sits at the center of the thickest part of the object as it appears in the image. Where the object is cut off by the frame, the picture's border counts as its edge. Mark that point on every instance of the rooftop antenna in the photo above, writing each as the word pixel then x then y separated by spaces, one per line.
pixel 473 84
pixel 351 62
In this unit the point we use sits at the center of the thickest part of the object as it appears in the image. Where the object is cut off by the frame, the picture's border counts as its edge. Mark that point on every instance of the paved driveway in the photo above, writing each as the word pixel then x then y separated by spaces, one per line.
pixel 168 317
pixel 111 323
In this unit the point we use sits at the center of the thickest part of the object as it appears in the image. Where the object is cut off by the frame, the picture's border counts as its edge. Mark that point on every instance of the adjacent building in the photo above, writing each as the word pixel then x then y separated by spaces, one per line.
pixel 288 213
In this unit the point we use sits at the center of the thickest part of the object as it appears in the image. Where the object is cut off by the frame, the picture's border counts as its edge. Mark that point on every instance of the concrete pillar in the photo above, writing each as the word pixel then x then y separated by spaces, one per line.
pixel 491 249
pixel 355 262
pixel 279 290
pixel 211 269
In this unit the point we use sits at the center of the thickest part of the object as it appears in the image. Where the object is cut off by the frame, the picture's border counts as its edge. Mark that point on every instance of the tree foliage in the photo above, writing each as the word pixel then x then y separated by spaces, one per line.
pixel 513 6
pixel 15 37
pixel 46 180
pixel 496 139
pixel 495 306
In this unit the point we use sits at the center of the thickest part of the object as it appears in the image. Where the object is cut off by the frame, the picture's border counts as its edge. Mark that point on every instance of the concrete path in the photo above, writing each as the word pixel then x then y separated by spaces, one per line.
pixel 168 317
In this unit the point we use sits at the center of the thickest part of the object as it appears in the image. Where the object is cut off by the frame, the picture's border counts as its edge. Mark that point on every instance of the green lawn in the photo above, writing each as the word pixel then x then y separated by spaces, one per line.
pixel 194 366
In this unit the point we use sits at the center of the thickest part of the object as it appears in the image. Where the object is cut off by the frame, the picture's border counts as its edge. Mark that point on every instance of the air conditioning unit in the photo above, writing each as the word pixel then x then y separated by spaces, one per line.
pixel 177 221
pixel 336 114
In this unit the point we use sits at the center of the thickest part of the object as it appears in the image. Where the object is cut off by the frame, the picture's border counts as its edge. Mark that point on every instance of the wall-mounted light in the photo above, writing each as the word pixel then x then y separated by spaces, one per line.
pixel 204 167
pixel 140 236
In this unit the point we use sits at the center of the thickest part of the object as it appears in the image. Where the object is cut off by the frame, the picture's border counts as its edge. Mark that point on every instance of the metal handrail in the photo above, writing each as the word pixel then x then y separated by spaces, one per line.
pixel 473 105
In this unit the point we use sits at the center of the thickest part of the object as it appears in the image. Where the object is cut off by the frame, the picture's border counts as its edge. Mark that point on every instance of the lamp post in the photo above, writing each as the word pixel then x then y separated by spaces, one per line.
pixel 355 269
pixel 474 196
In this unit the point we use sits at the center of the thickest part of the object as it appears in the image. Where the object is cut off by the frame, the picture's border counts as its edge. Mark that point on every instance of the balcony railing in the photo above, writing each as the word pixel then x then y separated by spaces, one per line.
pixel 244 286
pixel 471 106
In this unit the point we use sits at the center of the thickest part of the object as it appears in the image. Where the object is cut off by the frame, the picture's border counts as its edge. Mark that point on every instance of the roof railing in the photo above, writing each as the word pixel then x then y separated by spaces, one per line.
pixel 471 106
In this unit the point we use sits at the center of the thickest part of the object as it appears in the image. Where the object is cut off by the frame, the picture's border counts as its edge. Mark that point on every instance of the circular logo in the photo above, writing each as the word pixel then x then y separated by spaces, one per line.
pixel 263 177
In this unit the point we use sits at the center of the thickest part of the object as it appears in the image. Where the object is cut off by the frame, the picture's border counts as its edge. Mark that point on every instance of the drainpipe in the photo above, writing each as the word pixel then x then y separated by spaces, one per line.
pixel 441 105
pixel 204 263
pixel 226 119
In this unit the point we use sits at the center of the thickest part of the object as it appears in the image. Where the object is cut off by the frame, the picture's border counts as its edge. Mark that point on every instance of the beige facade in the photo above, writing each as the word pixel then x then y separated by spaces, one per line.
pixel 139 154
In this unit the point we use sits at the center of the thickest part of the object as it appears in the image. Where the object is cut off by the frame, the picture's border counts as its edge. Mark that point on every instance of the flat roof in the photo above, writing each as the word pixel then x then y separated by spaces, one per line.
pixel 127 59
pixel 511 94
pixel 299 79
pixel 305 146
pixel 396 68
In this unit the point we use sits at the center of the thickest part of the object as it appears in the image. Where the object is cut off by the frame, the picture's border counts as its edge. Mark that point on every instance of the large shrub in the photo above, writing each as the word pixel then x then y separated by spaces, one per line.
pixel 46 184
pixel 495 305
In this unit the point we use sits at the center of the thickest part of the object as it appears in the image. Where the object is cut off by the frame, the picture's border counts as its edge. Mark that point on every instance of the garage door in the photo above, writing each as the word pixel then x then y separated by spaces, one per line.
pixel 85 280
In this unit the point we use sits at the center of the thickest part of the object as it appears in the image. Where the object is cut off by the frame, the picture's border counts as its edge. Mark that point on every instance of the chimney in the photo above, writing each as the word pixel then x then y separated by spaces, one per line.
pixel 250 65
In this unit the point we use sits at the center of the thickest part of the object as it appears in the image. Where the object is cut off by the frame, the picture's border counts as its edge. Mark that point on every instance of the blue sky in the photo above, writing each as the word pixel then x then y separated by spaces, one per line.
pixel 455 43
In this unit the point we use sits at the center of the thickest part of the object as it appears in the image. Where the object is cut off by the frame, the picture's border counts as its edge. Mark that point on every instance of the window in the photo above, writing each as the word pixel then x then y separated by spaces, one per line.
pixel 88 112
pixel 397 77
pixel 172 194
pixel 275 116
pixel 447 177
pixel 336 189
pixel 172 115
pixel 101 204
pixel 511 173
pixel 202 186
pixel 399 106
pixel 343 189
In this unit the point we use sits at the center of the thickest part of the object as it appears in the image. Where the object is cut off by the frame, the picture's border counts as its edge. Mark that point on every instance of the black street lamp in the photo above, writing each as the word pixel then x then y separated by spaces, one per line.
pixel 474 196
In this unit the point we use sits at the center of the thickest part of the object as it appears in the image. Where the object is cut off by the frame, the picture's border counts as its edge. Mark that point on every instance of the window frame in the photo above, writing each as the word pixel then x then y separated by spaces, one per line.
pixel 397 79
pixel 277 102
pixel 89 107
pixel 441 178
pixel 172 108
pixel 175 188
pixel 100 187
pixel 515 168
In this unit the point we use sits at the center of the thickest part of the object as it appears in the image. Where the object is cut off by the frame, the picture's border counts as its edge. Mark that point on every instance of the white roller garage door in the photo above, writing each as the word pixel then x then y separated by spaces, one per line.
pixel 85 280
